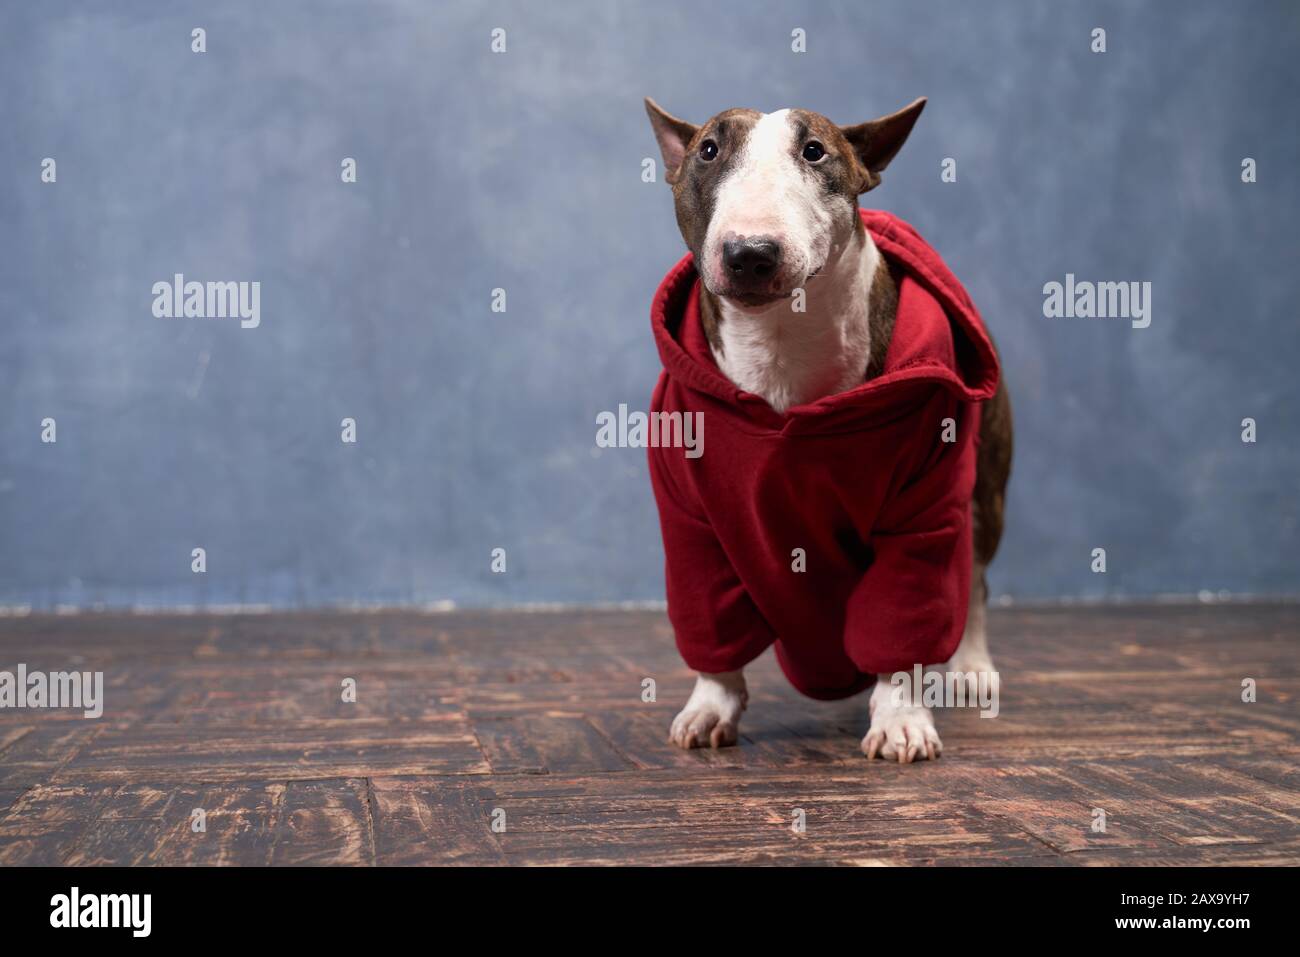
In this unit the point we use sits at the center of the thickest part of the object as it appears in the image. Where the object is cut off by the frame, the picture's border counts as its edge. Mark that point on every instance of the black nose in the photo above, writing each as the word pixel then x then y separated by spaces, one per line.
pixel 751 261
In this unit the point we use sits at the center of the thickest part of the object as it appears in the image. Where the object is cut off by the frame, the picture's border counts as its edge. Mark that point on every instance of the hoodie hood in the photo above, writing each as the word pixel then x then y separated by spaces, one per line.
pixel 938 340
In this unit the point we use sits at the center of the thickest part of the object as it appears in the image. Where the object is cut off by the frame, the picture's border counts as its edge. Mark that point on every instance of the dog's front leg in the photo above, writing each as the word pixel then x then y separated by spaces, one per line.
pixel 712 714
pixel 901 729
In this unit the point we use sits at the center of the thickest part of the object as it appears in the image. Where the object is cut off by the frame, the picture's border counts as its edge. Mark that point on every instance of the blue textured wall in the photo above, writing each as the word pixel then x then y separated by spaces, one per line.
pixel 522 171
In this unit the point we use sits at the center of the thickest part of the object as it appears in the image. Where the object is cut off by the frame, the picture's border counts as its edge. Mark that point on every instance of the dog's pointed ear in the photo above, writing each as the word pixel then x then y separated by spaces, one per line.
pixel 876 142
pixel 673 136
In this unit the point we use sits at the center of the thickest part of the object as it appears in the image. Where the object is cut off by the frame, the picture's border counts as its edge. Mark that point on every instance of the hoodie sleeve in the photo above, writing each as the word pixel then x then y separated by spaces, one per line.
pixel 717 626
pixel 910 606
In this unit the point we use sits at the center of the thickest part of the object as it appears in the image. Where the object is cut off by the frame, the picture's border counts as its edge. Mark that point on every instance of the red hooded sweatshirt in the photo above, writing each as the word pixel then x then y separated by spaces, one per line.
pixel 863 482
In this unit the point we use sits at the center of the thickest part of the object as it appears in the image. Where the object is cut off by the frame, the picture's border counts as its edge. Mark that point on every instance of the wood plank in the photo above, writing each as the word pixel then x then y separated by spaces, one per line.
pixel 641 735
pixel 39 753
pixel 551 742
pixel 1176 807
pixel 325 822
pixel 141 824
pixel 437 820
pixel 290 752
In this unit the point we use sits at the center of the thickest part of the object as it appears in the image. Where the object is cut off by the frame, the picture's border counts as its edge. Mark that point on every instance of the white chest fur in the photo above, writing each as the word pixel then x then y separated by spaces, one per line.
pixel 790 357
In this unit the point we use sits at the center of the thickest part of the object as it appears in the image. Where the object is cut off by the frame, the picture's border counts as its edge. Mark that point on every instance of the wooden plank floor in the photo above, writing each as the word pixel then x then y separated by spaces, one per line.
pixel 463 718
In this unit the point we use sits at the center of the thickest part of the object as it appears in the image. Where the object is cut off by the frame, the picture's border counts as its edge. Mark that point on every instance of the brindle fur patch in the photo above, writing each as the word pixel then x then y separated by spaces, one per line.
pixel 695 182
pixel 710 315
pixel 841 171
pixel 882 308
pixel 992 470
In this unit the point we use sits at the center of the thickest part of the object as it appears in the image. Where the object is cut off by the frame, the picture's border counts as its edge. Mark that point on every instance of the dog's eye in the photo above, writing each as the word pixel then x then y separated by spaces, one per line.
pixel 814 152
pixel 708 151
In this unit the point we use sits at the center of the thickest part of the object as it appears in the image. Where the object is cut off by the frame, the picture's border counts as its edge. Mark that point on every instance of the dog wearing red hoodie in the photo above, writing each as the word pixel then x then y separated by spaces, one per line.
pixel 859 432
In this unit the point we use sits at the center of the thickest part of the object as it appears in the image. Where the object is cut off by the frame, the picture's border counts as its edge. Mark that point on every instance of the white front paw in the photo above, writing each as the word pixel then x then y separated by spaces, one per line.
pixel 899 732
pixel 712 714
